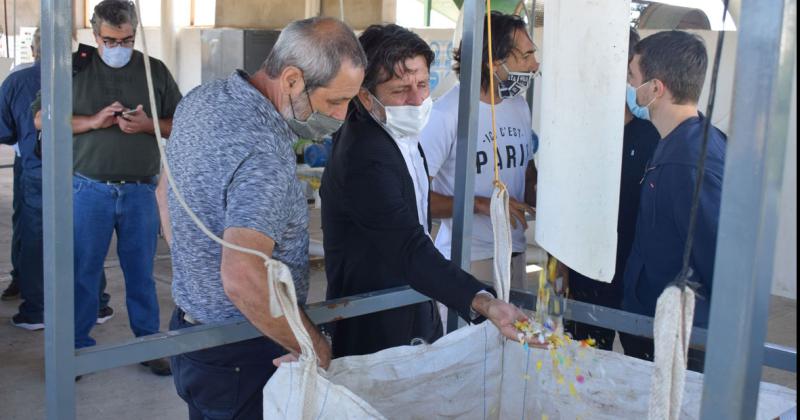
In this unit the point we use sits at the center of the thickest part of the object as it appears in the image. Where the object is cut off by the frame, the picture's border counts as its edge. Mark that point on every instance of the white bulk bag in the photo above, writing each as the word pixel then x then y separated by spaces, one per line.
pixel 473 374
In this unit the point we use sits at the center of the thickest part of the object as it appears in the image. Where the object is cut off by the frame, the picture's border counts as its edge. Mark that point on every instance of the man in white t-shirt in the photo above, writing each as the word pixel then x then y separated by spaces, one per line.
pixel 513 69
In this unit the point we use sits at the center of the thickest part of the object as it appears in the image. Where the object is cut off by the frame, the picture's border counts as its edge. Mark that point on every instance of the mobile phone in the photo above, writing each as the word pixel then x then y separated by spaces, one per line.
pixel 123 113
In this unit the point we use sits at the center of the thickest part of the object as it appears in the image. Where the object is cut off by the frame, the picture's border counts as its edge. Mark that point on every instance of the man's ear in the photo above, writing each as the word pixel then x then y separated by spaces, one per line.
pixel 496 66
pixel 291 81
pixel 659 88
pixel 365 98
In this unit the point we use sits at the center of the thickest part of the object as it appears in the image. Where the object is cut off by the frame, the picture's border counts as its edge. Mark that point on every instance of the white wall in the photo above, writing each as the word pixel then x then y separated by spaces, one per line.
pixel 189 59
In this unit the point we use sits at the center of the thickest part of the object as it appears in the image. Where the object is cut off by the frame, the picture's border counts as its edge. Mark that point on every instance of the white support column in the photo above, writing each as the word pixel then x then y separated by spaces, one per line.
pixel 175 15
pixel 313 8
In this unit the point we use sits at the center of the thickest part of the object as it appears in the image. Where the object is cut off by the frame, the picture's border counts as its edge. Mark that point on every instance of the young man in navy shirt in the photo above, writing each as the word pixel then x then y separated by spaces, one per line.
pixel 667 71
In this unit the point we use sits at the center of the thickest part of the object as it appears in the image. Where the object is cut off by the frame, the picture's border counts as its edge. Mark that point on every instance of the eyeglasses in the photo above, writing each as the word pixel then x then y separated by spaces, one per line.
pixel 113 42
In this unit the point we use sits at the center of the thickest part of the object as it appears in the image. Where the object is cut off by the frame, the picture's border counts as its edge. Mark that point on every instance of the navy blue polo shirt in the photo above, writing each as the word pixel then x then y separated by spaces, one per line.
pixel 16 119
pixel 663 220
pixel 639 142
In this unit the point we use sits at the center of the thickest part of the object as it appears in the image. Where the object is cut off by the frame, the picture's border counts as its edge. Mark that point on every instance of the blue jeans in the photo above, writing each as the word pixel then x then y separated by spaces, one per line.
pixel 30 256
pixel 16 204
pixel 129 210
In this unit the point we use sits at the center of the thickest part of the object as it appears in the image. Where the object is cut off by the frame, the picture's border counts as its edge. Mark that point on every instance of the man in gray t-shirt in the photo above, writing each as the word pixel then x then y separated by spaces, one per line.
pixel 231 155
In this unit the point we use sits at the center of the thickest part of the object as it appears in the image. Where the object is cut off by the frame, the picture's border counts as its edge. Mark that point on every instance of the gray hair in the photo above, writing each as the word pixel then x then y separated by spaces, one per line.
pixel 36 45
pixel 317 46
pixel 114 13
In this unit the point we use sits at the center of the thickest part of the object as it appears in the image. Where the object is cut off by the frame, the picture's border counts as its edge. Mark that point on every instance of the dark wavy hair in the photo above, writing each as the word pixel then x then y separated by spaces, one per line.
pixel 387 47
pixel 504 27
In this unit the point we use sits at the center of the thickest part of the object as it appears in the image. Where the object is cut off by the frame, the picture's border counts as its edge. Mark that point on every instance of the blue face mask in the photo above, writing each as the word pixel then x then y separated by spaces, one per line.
pixel 117 57
pixel 638 111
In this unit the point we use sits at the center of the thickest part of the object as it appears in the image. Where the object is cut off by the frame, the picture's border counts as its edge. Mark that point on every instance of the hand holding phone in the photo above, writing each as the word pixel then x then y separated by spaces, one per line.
pixel 124 113
pixel 135 121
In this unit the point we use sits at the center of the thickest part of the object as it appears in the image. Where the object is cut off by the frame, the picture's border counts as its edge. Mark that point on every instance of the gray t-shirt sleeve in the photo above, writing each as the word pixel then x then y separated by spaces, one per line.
pixel 256 195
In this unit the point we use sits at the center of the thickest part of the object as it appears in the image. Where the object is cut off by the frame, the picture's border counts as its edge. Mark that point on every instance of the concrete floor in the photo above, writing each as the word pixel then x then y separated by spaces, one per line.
pixel 132 392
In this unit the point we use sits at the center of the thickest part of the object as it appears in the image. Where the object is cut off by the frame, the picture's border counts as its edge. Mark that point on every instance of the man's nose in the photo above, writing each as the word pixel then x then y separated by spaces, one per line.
pixel 340 111
pixel 416 96
pixel 534 64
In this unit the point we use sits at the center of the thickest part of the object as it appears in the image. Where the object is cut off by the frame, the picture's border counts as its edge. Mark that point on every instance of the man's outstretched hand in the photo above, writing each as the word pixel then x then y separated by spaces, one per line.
pixel 503 315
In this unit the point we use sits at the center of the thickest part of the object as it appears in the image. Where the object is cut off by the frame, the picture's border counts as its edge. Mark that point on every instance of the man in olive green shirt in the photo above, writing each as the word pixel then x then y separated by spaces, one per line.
pixel 116 161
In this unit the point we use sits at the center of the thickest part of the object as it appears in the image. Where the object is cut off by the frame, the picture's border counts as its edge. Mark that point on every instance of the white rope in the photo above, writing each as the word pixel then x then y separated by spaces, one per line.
pixel 282 294
pixel 501 230
pixel 498 204
pixel 671 331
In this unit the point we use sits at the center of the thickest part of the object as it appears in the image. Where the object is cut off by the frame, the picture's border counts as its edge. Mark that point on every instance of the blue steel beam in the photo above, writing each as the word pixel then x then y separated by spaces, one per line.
pixel 466 138
pixel 59 349
pixel 204 336
pixel 748 220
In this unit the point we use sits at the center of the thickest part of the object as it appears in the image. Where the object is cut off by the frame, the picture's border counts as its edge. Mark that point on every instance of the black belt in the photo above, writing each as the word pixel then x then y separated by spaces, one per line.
pixel 126 181
pixel 138 181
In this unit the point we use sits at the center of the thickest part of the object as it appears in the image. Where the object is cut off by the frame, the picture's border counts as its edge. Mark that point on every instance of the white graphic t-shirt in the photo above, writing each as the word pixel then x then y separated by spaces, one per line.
pixel 515 147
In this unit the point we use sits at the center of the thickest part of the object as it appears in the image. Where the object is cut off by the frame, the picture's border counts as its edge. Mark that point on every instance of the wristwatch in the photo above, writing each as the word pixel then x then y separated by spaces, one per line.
pixel 473 314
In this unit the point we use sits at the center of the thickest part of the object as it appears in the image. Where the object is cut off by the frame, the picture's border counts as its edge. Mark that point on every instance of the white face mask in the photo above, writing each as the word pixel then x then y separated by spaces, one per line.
pixel 406 120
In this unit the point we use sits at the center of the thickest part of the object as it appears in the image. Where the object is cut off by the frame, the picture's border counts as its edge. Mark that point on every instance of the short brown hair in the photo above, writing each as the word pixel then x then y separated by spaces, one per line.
pixel 677 58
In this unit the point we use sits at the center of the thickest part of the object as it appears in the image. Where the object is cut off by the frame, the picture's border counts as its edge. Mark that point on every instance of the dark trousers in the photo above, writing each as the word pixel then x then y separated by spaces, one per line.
pixel 603 337
pixel 31 249
pixel 224 382
pixel 16 204
pixel 642 348
pixel 586 290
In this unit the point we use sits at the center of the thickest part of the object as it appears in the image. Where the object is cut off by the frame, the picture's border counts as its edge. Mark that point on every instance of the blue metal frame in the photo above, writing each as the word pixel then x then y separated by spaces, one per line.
pixel 466 139
pixel 56 31
pixel 169 343
pixel 751 189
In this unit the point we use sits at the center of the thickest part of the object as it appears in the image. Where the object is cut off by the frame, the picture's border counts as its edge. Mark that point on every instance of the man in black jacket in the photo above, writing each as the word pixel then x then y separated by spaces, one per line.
pixel 375 213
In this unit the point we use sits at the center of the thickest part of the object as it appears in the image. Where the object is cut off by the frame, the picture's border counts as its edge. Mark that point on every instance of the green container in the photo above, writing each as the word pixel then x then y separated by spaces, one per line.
pixel 505 6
